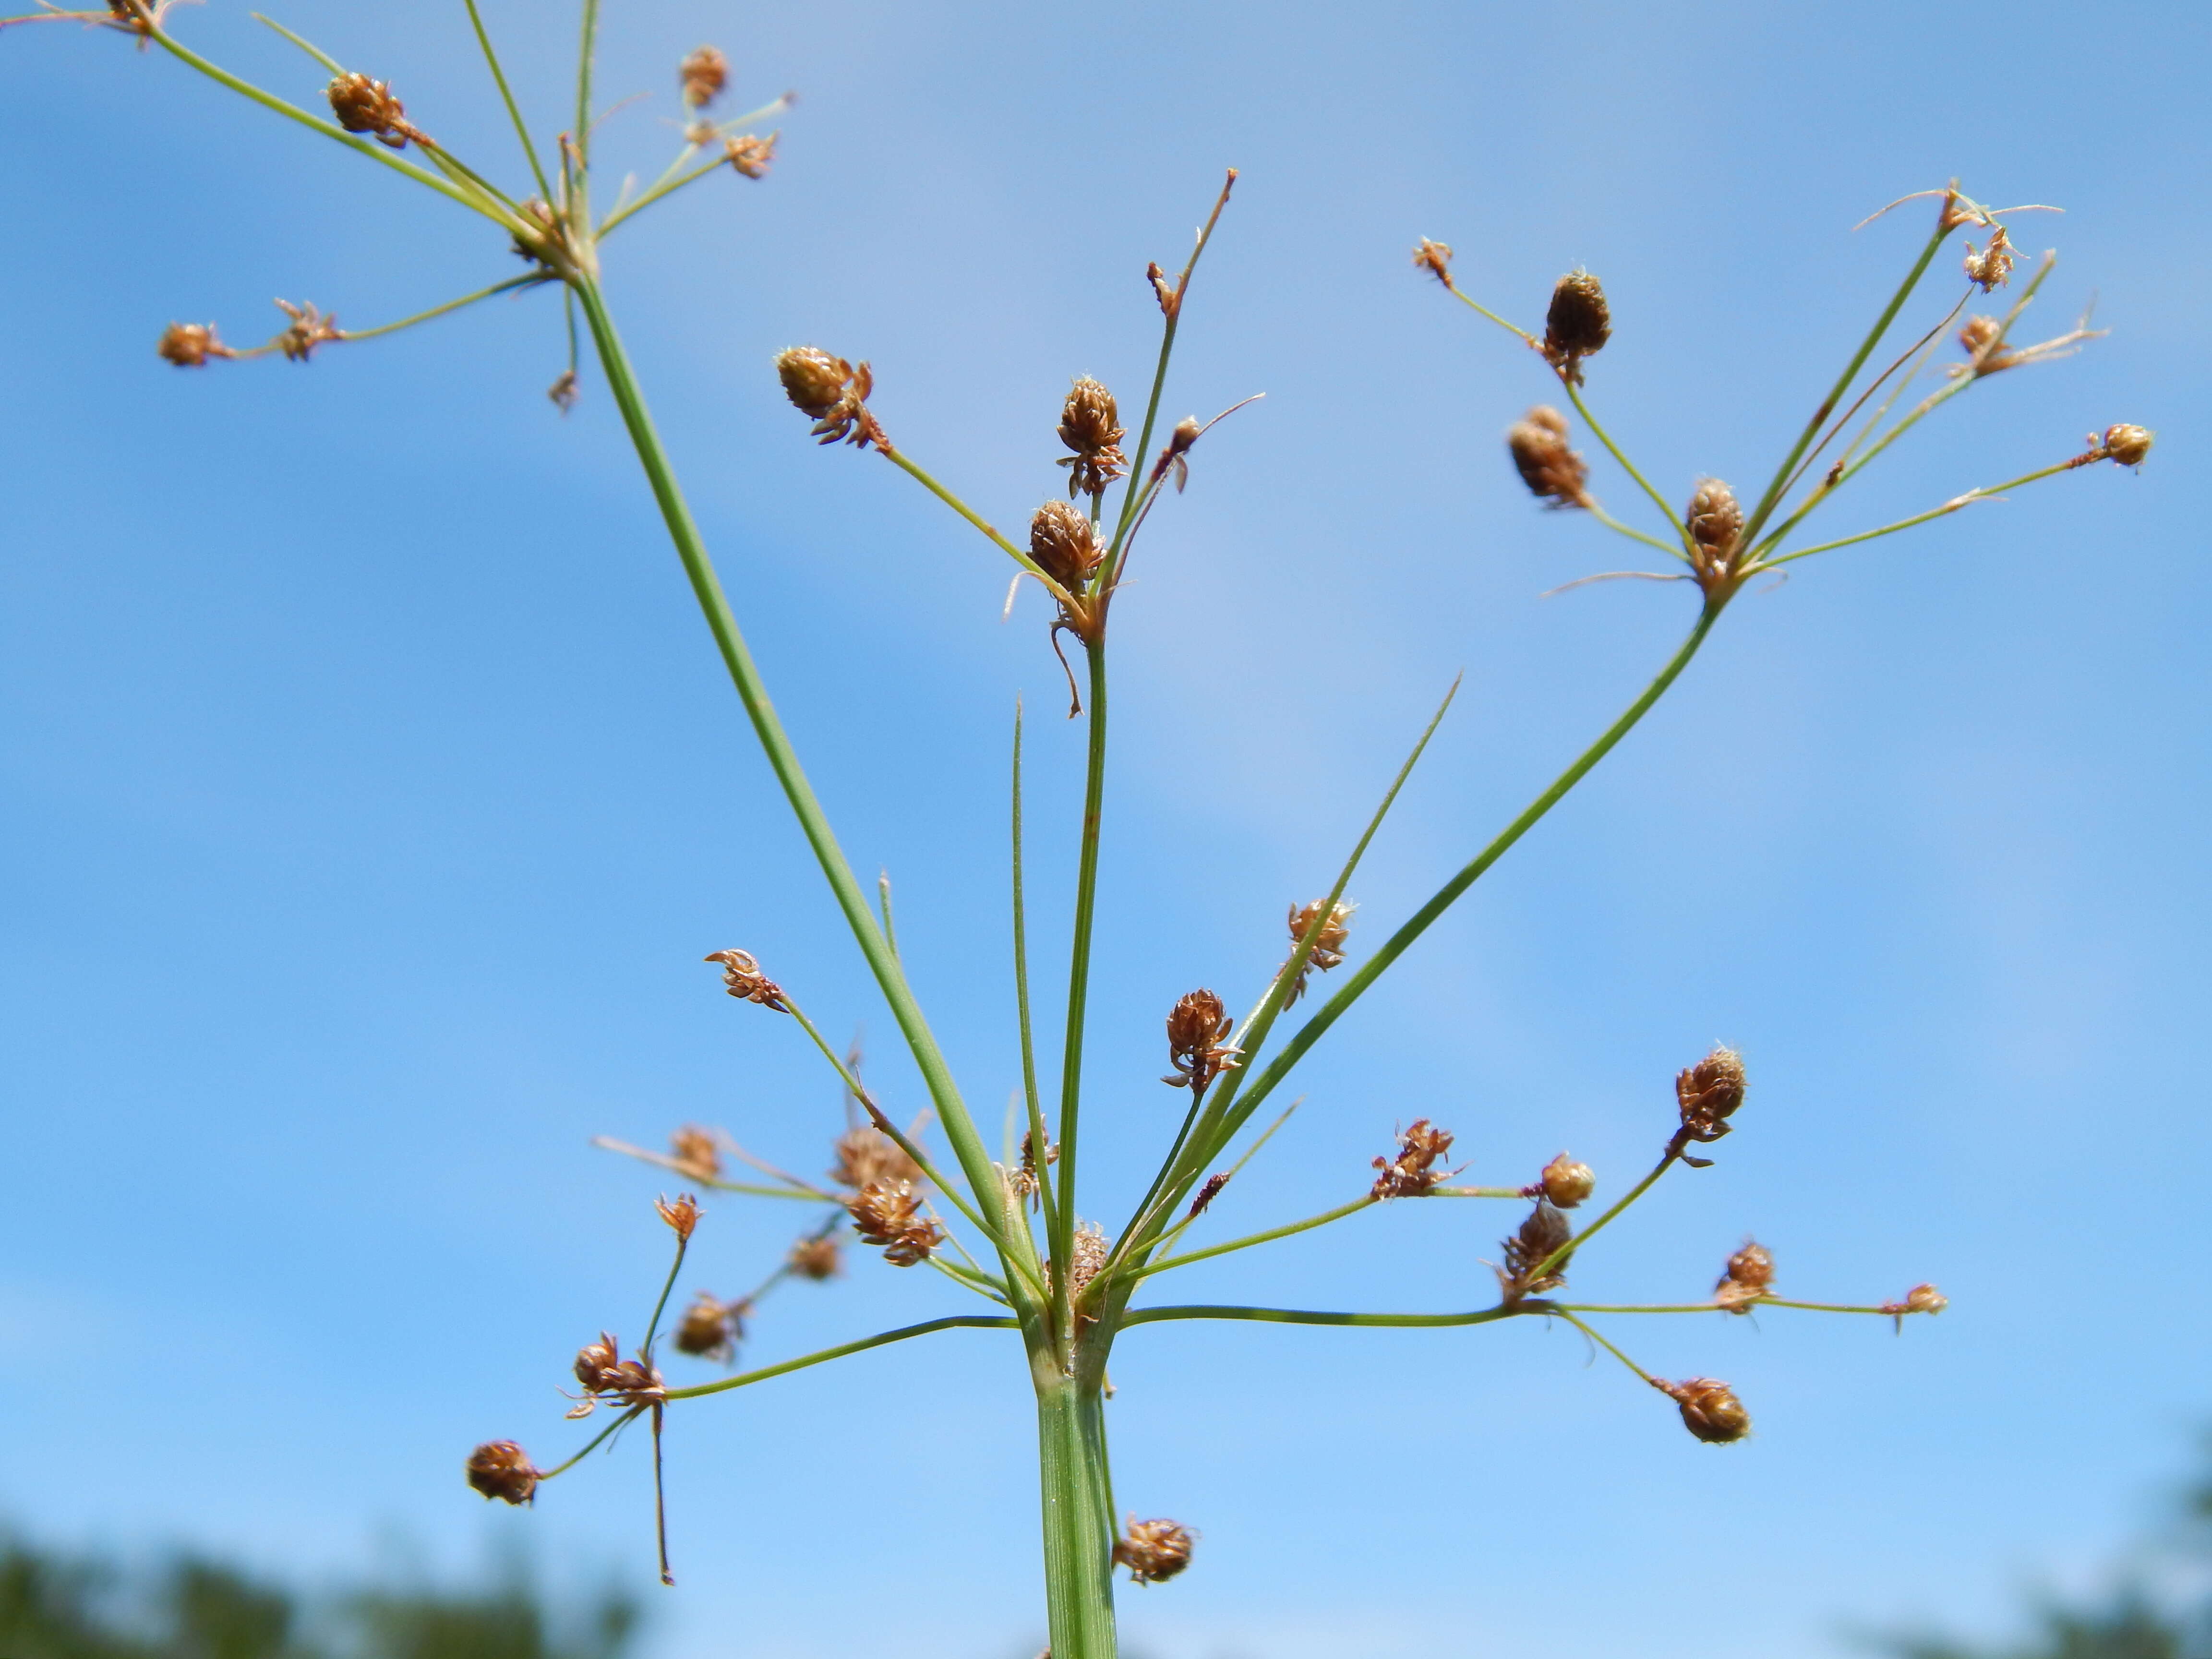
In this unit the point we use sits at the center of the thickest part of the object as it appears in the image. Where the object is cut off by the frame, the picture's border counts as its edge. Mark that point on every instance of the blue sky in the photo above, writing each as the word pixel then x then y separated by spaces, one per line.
pixel 373 793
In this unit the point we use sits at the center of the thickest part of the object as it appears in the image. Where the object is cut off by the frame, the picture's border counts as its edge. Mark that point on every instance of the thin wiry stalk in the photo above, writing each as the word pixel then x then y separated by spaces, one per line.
pixel 1040 1142
pixel 1592 1332
pixel 533 279
pixel 1986 493
pixel 652 1325
pixel 1307 1316
pixel 905 1333
pixel 506 97
pixel 1666 509
pixel 1079 981
pixel 1365 1201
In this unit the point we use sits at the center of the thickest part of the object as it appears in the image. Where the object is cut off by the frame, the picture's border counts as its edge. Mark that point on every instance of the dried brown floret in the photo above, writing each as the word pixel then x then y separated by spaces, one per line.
pixel 1091 425
pixel 1710 1409
pixel 867 1154
pixel 1983 341
pixel 1435 257
pixel 703 73
pixel 1553 472
pixel 682 1215
pixel 1565 1183
pixel 1709 1093
pixel 1026 1181
pixel 1714 521
pixel 1749 1276
pixel 1065 545
pixel 1329 944
pixel 697 1151
pixel 309 328
pixel 367 107
pixel 1992 266
pixel 1577 325
pixel 833 394
pixel 817 1257
pixel 1153 1551
pixel 605 1374
pixel 1920 1299
pixel 743 979
pixel 2128 445
pixel 1088 1251
pixel 563 392
pixel 1198 1045
pixel 888 1213
pixel 752 155
pixel 711 1328
pixel 1541 1236
pixel 189 345
pixel 501 1469
pixel 1412 1172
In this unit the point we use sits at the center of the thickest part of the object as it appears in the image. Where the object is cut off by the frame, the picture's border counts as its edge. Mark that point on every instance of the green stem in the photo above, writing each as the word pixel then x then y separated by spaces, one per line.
pixel 1364 1201
pixel 652 1325
pixel 506 97
pixel 1666 512
pixel 1633 534
pixel 746 1379
pixel 1040 1142
pixel 594 1444
pixel 587 52
pixel 905 463
pixel 959 1127
pixel 1395 946
pixel 1078 975
pixel 1592 1332
pixel 1949 507
pixel 531 279
pixel 668 187
pixel 1305 1316
pixel 1078 1532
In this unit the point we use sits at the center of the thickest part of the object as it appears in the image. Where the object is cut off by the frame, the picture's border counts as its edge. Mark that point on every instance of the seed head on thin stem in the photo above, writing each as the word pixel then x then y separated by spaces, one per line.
pixel 697 1151
pixel 308 329
pixel 189 345
pixel 682 1216
pixel 1920 1299
pixel 865 1155
pixel 817 1257
pixel 1091 426
pixel 1153 1551
pixel 743 979
pixel 1991 267
pixel 711 1328
pixel 703 73
pixel 501 1469
pixel 1207 1193
pixel 1435 257
pixel 1565 1183
pixel 1065 545
pixel 1715 519
pixel 2128 445
pixel 1198 1041
pixel 1329 944
pixel 751 156
pixel 1709 1093
pixel 1088 1251
pixel 833 394
pixel 1749 1276
pixel 1577 325
pixel 1555 474
pixel 888 1213
pixel 606 1375
pixel 1710 1409
pixel 1543 1232
pixel 367 107
pixel 1412 1172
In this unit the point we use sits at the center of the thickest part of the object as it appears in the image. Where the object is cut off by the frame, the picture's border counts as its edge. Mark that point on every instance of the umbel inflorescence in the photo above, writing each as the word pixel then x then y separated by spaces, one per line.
pixel 1014 1225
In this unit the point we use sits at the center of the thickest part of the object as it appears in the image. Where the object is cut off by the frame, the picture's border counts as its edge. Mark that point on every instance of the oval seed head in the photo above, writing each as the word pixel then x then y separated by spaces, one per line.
pixel 1566 1182
pixel 682 1215
pixel 1153 1551
pixel 1925 1299
pixel 1578 324
pixel 596 1362
pixel 1714 521
pixel 813 379
pixel 1091 425
pixel 189 345
pixel 816 1258
pixel 750 154
pixel 1544 1232
pixel 1710 1410
pixel 2128 445
pixel 710 1329
pixel 501 1469
pixel 703 74
pixel 1709 1092
pixel 1749 1276
pixel 1553 472
pixel 1198 1045
pixel 696 1152
pixel 367 107
pixel 1435 259
pixel 1065 545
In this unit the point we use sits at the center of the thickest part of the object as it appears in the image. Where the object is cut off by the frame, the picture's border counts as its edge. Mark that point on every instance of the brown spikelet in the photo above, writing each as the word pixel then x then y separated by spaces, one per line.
pixel 1991 267
pixel 711 1328
pixel 702 74
pixel 697 1151
pixel 1555 474
pixel 1198 1045
pixel 1749 1276
pixel 1544 1232
pixel 682 1216
pixel 189 345
pixel 1920 1299
pixel 1710 1409
pixel 1715 519
pixel 367 107
pixel 818 1256
pixel 501 1469
pixel 1577 325
pixel 604 1374
pixel 833 394
pixel 1565 1183
pixel 751 156
pixel 1329 944
pixel 888 1213
pixel 2128 445
pixel 1709 1093
pixel 1065 545
pixel 1091 426
pixel 1412 1172
pixel 1207 1193
pixel 868 1155
pixel 1153 1551
pixel 1435 257
pixel 743 979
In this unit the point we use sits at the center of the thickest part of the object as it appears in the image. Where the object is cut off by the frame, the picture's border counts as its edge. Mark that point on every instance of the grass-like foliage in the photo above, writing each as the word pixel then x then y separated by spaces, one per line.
pixel 1013 1224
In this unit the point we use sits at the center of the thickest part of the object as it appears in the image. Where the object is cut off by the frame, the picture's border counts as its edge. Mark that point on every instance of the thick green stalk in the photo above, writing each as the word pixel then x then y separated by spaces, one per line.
pixel 1078 971
pixel 959 1126
pixel 1079 1533
pixel 1262 1083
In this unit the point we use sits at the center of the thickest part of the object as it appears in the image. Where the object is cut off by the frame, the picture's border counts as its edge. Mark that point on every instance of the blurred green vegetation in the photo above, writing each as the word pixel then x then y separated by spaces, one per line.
pixel 56 1606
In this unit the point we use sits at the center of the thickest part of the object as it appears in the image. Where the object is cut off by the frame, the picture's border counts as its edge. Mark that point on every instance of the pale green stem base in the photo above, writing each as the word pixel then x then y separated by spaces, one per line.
pixel 1078 1523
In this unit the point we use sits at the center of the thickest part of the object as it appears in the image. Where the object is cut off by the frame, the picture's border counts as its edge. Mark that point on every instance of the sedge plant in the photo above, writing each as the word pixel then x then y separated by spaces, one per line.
pixel 1015 1230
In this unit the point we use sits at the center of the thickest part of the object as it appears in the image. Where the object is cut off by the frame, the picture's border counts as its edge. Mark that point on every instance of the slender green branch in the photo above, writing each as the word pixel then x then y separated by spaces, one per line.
pixel 467 177
pixel 1173 1237
pixel 883 894
pixel 652 1325
pixel 1040 1142
pixel 928 1326
pixel 506 97
pixel 775 743
pixel 587 53
pixel 1078 974
pixel 807 1195
pixel 1771 498
pixel 1949 507
pixel 1666 512
pixel 1302 1316
pixel 302 42
pixel 595 1443
pixel 1543 1267
pixel 1258 1088
pixel 1592 1332
pixel 1365 1201
pixel 906 465
pixel 376 153
pixel 666 186
pixel 529 279
pixel 1453 288
pixel 1633 534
